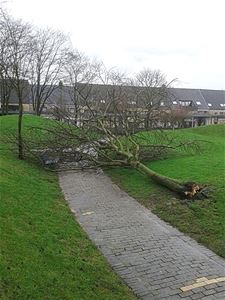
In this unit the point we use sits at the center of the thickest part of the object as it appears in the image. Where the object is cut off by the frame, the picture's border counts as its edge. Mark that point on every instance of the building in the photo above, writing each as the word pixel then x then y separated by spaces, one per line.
pixel 208 105
pixel 195 107
pixel 9 103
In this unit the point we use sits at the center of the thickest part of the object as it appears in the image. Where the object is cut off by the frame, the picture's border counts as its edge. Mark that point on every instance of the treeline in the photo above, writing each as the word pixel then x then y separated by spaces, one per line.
pixel 45 59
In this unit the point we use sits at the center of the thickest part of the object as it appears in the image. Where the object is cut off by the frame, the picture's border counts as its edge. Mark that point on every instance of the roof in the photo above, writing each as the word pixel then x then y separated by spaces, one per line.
pixel 61 96
pixel 194 95
pixel 202 99
pixel 13 97
pixel 215 98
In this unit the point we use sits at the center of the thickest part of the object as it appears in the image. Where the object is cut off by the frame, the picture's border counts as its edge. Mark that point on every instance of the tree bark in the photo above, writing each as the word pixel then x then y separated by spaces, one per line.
pixel 20 141
pixel 168 182
pixel 184 189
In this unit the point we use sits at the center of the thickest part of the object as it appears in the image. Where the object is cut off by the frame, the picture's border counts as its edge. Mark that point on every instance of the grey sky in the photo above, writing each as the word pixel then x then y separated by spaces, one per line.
pixel 183 38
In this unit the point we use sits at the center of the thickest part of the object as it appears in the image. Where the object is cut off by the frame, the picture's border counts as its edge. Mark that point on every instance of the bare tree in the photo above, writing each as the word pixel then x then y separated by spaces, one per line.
pixel 176 116
pixel 49 50
pixel 151 89
pixel 109 96
pixel 4 83
pixel 16 55
pixel 80 73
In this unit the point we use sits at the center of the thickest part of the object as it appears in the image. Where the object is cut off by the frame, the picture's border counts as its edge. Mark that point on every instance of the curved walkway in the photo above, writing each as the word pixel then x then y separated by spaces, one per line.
pixel 154 259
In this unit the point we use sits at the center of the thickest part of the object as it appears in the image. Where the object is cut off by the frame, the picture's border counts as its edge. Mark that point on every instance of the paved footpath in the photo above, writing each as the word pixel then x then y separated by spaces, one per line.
pixel 153 258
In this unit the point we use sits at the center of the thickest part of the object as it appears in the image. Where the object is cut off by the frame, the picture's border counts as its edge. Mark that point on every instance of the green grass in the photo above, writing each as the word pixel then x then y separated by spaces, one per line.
pixel 203 220
pixel 44 254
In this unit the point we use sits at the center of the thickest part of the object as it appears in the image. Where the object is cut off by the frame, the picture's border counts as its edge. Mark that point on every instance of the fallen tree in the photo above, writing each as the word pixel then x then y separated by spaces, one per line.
pixel 73 148
pixel 111 135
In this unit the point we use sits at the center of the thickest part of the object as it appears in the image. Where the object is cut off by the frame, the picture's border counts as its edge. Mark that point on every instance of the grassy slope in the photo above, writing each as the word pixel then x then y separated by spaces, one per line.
pixel 44 254
pixel 203 220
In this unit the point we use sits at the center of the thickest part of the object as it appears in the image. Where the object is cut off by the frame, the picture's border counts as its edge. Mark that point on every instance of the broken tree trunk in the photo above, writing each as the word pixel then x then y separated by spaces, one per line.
pixel 185 190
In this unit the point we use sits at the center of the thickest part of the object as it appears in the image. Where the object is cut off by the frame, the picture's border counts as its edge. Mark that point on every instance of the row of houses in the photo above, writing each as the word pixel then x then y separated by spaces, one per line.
pixel 208 105
pixel 204 106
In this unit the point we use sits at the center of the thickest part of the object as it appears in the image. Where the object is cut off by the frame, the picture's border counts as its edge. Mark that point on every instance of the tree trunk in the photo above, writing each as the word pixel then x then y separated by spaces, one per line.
pixel 170 183
pixel 38 111
pixel 20 141
pixel 187 190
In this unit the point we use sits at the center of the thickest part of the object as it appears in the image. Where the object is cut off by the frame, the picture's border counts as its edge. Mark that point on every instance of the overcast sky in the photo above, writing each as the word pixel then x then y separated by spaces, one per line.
pixel 183 38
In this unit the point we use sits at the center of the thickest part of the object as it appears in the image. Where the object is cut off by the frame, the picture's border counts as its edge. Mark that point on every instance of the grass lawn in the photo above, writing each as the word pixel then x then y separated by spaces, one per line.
pixel 203 220
pixel 44 254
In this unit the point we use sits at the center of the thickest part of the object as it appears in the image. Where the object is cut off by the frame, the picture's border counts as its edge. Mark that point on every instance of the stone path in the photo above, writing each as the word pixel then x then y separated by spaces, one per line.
pixel 153 258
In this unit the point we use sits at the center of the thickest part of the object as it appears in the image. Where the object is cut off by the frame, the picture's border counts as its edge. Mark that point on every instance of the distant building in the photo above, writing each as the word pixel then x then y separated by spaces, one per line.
pixel 198 106
pixel 9 99
pixel 208 106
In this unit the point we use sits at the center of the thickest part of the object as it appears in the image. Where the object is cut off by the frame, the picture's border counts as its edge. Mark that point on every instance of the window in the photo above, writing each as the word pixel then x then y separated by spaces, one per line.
pixel 174 102
pixel 185 102
pixel 198 102
pixel 132 102
pixel 209 104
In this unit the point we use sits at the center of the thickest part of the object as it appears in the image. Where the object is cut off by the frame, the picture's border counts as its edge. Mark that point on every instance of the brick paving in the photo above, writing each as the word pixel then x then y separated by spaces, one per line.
pixel 153 258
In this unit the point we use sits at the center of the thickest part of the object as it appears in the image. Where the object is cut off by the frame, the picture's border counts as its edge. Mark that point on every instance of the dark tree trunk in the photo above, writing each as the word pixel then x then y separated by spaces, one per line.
pixel 38 111
pixel 20 141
